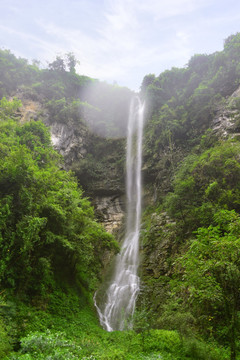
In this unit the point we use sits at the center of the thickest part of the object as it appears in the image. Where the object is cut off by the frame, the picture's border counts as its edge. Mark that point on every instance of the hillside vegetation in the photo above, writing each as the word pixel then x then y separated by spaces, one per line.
pixel 192 229
pixel 52 249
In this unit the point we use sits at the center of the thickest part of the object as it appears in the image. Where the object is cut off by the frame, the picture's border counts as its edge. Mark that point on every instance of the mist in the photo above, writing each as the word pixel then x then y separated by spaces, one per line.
pixel 105 109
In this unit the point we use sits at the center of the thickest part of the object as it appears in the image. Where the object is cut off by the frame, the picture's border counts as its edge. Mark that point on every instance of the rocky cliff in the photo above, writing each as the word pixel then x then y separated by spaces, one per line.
pixel 97 162
pixel 226 122
pixel 162 237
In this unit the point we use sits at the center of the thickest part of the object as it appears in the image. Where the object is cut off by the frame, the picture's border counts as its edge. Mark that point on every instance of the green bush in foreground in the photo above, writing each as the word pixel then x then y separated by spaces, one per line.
pixel 5 346
pixel 100 345
pixel 48 345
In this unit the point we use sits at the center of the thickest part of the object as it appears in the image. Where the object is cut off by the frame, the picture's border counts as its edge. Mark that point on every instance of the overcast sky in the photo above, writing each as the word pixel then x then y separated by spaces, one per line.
pixel 117 40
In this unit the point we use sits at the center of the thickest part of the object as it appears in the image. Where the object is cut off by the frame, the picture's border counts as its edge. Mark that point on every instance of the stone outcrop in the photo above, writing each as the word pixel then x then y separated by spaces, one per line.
pixel 110 212
pixel 155 252
pixel 70 142
pixel 103 181
pixel 99 175
pixel 30 110
pixel 94 160
pixel 226 122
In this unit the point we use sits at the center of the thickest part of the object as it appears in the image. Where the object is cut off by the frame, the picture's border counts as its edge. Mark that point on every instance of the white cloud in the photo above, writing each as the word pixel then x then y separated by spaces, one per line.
pixel 120 15
pixel 43 47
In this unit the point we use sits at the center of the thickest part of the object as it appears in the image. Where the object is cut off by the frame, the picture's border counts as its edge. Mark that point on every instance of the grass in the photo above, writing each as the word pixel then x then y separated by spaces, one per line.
pixel 67 328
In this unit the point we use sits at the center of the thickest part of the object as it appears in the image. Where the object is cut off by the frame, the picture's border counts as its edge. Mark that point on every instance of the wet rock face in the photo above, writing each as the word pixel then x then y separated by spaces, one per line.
pixel 157 253
pixel 99 177
pixel 224 123
pixel 100 180
pixel 158 245
pixel 110 212
pixel 69 142
pixel 94 161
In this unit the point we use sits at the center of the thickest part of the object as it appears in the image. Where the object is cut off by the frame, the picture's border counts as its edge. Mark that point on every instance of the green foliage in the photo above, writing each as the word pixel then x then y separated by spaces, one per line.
pixel 61 87
pixel 182 101
pixel 175 316
pixel 114 346
pixel 48 345
pixel 8 108
pixel 63 63
pixel 51 247
pixel 67 327
pixel 210 277
pixel 5 346
pixel 47 227
pixel 14 72
pixel 202 196
pixel 147 81
pixel 69 97
pixel 204 293
pixel 204 183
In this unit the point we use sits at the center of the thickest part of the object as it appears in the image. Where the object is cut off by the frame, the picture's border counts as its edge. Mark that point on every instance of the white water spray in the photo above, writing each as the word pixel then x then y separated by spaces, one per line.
pixel 120 298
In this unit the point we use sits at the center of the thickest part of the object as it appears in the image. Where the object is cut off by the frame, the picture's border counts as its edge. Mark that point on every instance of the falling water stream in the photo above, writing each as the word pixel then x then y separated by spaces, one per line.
pixel 116 311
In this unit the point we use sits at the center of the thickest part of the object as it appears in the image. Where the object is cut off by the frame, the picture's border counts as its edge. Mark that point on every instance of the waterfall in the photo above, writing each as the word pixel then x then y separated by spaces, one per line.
pixel 115 313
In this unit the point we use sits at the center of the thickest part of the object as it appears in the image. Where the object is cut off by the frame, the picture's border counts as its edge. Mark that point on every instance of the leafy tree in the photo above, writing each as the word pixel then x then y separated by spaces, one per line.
pixel 63 63
pixel 58 65
pixel 47 228
pixel 8 108
pixel 205 183
pixel 199 63
pixel 147 81
pixel 71 62
pixel 211 276
pixel 15 72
